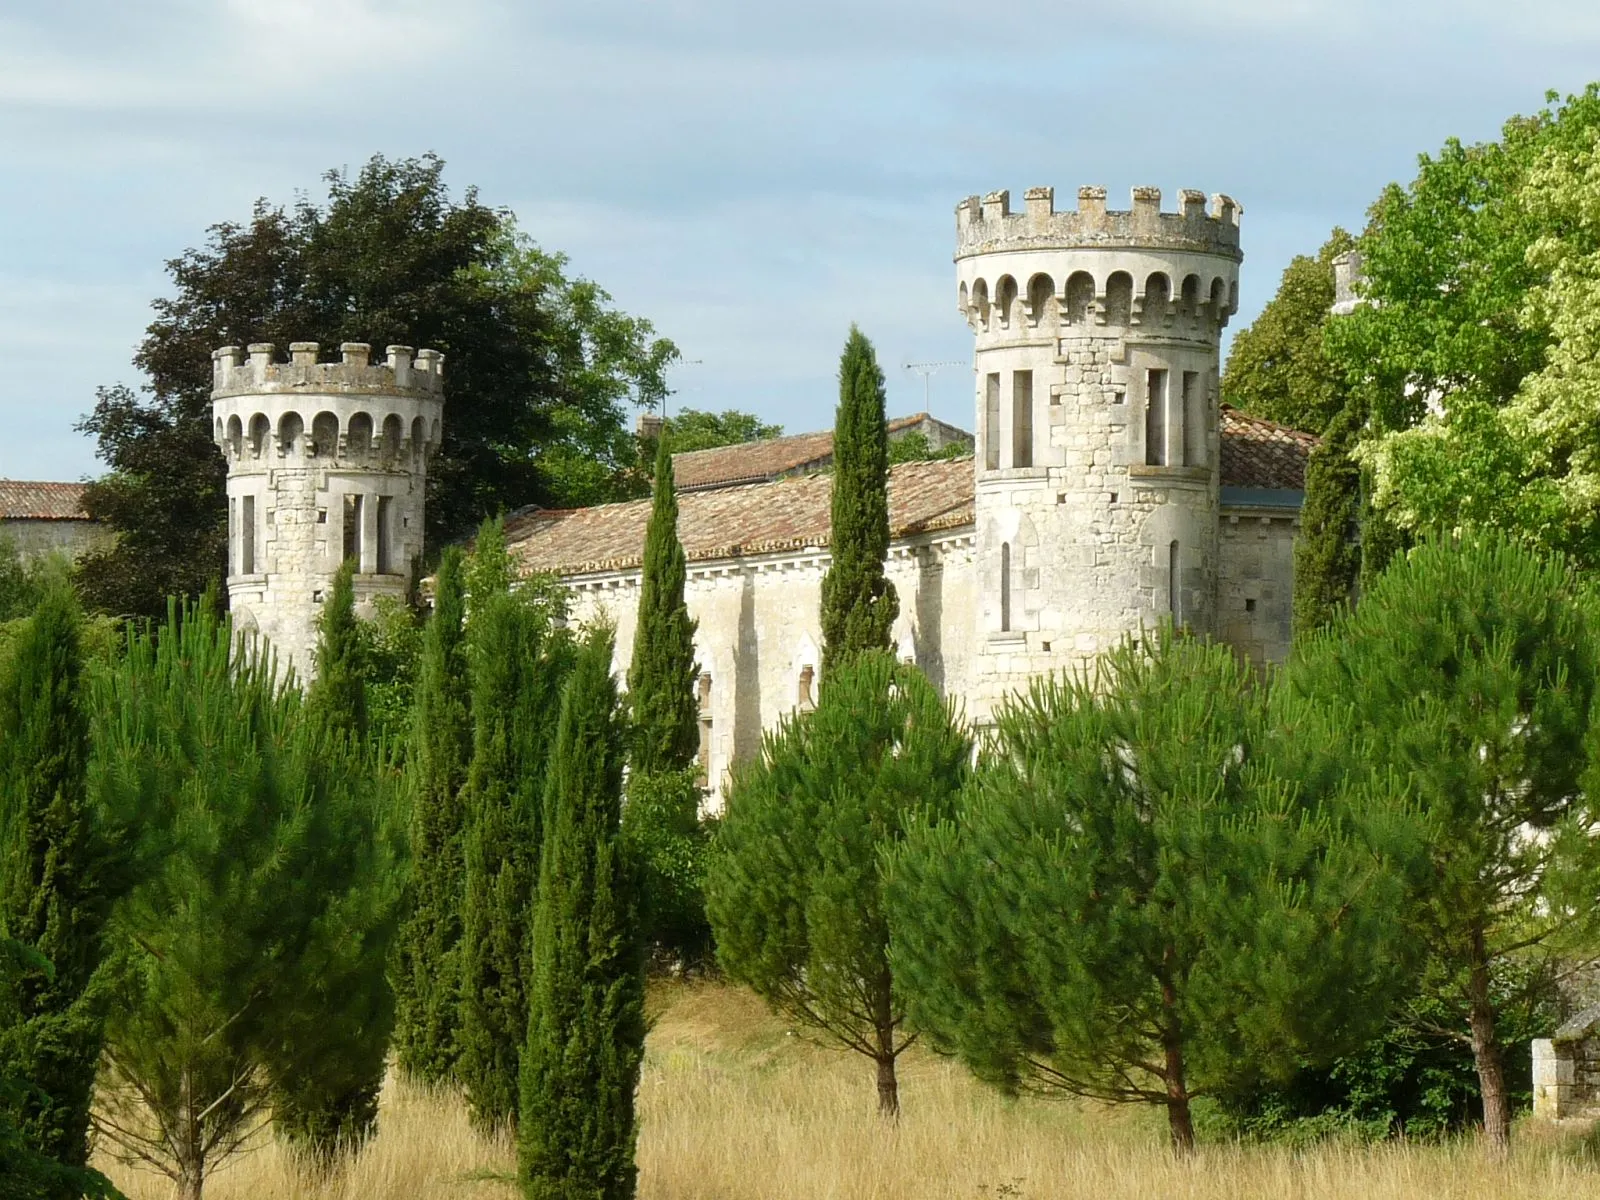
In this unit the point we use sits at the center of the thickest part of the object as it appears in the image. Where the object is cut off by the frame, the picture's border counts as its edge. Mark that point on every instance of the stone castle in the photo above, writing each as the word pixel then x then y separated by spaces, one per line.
pixel 1109 489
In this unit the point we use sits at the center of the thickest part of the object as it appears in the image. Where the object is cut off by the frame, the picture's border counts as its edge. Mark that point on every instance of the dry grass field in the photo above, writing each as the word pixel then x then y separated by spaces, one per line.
pixel 733 1107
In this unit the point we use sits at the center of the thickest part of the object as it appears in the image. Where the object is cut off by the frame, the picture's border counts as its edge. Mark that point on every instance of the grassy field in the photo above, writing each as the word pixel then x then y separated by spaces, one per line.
pixel 734 1107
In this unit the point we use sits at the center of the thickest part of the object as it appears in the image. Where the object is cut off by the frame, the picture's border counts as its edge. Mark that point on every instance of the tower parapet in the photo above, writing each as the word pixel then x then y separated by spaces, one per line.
pixel 327 461
pixel 986 225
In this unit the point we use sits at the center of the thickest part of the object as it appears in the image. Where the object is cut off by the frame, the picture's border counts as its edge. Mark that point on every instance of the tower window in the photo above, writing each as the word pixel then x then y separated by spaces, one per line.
pixel 385 537
pixel 1155 419
pixel 703 693
pixel 1194 421
pixel 1022 418
pixel 352 527
pixel 991 422
pixel 808 675
pixel 247 535
pixel 1005 587
pixel 1174 585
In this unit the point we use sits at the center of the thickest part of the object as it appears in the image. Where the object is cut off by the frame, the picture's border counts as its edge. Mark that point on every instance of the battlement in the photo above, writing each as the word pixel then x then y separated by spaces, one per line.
pixel 256 370
pixel 987 224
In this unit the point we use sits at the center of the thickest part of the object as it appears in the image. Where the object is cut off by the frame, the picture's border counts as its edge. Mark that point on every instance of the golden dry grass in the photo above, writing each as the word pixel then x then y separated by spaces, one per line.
pixel 734 1107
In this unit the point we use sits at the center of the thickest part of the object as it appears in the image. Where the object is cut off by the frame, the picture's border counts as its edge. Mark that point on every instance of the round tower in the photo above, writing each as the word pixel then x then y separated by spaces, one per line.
pixel 326 461
pixel 1098 339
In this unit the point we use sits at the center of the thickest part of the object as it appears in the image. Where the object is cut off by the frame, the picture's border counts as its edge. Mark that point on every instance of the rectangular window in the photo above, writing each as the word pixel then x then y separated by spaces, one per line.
pixel 1005 587
pixel 1155 418
pixel 1194 421
pixel 1022 418
pixel 385 537
pixel 1174 585
pixel 703 695
pixel 991 422
pixel 352 527
pixel 247 536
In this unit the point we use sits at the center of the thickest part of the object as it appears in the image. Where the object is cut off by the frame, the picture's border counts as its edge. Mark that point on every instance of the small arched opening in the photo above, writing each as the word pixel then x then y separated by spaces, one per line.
pixel 1080 295
pixel 1157 299
pixel 324 435
pixel 1190 306
pixel 359 441
pixel 1041 299
pixel 1005 299
pixel 1119 299
pixel 393 431
pixel 291 428
pixel 235 437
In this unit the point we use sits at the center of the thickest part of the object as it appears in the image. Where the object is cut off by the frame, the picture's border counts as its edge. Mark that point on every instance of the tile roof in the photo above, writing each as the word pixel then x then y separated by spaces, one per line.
pixel 21 500
pixel 793 513
pixel 724 466
pixel 1263 454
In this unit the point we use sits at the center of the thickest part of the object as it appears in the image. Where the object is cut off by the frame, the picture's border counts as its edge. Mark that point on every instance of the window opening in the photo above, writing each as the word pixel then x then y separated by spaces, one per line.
pixel 1194 425
pixel 1174 585
pixel 385 539
pixel 1022 418
pixel 703 690
pixel 808 674
pixel 991 422
pixel 1155 419
pixel 247 536
pixel 352 527
pixel 1005 587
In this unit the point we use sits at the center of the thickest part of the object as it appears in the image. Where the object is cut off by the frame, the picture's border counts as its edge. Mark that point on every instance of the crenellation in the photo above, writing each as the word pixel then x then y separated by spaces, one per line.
pixel 989 226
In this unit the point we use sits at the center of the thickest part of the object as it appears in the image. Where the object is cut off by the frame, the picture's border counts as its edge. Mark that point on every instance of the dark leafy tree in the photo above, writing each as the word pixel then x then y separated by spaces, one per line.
pixel 1327 552
pixel 580 1069
pixel 1470 666
pixel 338 694
pixel 794 890
pixel 692 429
pixel 1134 904
pixel 859 604
pixel 539 366
pixel 427 974
pixel 56 885
pixel 915 447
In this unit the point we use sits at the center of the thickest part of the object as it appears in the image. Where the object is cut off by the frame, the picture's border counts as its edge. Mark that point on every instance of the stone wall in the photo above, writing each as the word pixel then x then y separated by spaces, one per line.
pixel 35 538
pixel 1566 1069
pixel 1255 582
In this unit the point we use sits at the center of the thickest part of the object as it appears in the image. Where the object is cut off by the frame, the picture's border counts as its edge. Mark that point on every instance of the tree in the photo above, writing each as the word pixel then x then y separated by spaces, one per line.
pixel 273 840
pixel 1134 905
pixel 859 604
pixel 1327 552
pixel 1278 368
pixel 519 661
pixel 661 820
pixel 1460 271
pixel 427 971
pixel 915 447
pixel 793 890
pixel 692 429
pixel 580 1069
pixel 55 886
pixel 540 366
pixel 1470 665
pixel 328 1072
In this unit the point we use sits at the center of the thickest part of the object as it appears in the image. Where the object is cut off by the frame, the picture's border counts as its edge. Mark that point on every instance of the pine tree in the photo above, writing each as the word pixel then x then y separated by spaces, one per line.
pixel 54 891
pixel 325 1088
pixel 580 1070
pixel 519 663
pixel 858 602
pixel 661 820
pixel 794 890
pixel 428 980
pixel 1327 553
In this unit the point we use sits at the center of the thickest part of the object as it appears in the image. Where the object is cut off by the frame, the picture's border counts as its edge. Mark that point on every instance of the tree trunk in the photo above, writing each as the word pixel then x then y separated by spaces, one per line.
pixel 888 1089
pixel 1486 1052
pixel 883 1019
pixel 1179 1122
pixel 191 1152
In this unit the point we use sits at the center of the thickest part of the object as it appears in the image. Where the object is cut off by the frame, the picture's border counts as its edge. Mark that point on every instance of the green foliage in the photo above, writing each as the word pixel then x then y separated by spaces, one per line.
pixel 859 604
pixel 519 662
pixel 541 367
pixel 338 694
pixel 1278 368
pixel 580 1069
pixel 793 889
pixel 390 648
pixel 1136 904
pixel 1327 552
pixel 661 824
pixel 427 969
pixel 267 848
pixel 692 429
pixel 56 884
pixel 23 581
pixel 915 447
pixel 1469 669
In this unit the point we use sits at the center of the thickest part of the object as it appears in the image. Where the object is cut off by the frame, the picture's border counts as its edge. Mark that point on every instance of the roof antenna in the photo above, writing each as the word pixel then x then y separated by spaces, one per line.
pixel 927 370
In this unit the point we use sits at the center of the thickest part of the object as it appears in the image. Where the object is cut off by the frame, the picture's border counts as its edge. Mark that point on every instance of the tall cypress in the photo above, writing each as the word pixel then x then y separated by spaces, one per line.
pixel 1327 554
pixel 580 1069
pixel 661 699
pixel 427 984
pixel 519 663
pixel 338 695
pixel 858 602
pixel 54 894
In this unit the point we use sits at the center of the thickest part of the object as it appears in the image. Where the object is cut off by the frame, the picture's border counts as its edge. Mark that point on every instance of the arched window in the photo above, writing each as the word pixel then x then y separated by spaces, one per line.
pixel 235 437
pixel 1080 295
pixel 324 435
pixel 1041 299
pixel 392 433
pixel 1119 299
pixel 291 428
pixel 808 675
pixel 1005 587
pixel 1157 299
pixel 360 439
pixel 1005 299
pixel 260 431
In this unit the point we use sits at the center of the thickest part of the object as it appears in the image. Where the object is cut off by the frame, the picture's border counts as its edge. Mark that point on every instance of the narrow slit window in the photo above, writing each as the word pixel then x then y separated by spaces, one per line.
pixel 991 422
pixel 352 527
pixel 1022 418
pixel 247 535
pixel 1155 419
pixel 703 692
pixel 1174 585
pixel 385 535
pixel 808 674
pixel 1194 422
pixel 1005 587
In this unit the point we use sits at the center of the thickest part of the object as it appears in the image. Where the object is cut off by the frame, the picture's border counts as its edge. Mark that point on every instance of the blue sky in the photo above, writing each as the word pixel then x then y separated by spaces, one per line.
pixel 751 177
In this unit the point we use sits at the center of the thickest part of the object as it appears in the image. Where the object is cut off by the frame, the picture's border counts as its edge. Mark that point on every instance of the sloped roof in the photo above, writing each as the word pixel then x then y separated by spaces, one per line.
pixel 723 466
pixel 793 513
pixel 24 500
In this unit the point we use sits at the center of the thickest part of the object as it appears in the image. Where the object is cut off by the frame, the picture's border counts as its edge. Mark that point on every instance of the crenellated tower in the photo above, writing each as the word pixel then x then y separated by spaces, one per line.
pixel 326 461
pixel 1098 338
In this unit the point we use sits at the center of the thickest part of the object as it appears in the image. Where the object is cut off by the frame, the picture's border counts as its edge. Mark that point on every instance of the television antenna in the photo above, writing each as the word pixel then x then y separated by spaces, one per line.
pixel 928 370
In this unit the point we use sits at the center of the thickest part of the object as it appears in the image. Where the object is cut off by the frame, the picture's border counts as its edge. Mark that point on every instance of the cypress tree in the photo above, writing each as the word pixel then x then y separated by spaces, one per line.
pixel 1327 554
pixel 325 1086
pixel 428 981
pixel 54 894
pixel 858 602
pixel 518 666
pixel 580 1068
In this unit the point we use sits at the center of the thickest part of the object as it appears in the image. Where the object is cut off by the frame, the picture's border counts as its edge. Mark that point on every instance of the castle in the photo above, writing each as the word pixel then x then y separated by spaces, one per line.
pixel 1109 489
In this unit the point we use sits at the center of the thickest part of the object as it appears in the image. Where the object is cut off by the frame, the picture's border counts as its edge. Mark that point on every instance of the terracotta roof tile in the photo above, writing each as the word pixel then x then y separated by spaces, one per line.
pixel 724 466
pixel 22 500
pixel 793 513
